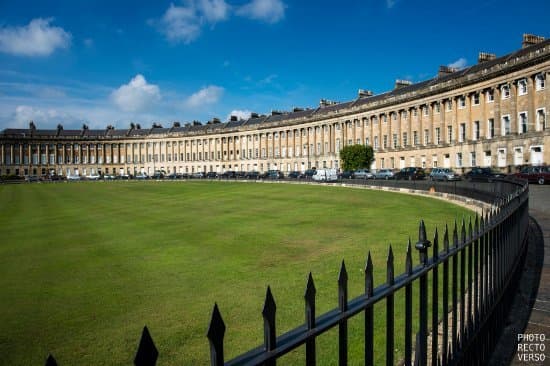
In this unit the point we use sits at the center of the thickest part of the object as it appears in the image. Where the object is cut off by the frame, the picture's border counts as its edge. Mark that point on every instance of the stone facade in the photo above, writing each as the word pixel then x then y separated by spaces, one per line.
pixel 494 113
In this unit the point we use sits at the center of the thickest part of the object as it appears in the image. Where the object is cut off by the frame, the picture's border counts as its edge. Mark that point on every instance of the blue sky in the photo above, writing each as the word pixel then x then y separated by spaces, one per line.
pixel 116 62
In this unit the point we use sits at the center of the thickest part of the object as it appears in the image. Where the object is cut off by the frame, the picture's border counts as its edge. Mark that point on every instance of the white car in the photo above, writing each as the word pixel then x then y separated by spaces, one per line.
pixel 73 177
pixel 325 175
pixel 92 177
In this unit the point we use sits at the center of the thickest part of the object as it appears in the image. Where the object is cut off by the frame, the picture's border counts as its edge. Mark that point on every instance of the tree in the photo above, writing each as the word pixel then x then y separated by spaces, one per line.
pixel 356 156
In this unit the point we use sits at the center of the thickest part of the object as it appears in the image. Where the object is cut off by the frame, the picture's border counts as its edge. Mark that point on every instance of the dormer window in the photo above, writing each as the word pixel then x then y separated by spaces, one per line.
pixel 522 87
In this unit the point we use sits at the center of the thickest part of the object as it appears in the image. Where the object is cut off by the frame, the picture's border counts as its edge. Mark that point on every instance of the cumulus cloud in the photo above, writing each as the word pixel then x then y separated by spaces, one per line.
pixel 240 114
pixel 38 38
pixel 136 96
pixel 50 116
pixel 270 11
pixel 180 24
pixel 214 10
pixel 184 23
pixel 208 95
pixel 459 64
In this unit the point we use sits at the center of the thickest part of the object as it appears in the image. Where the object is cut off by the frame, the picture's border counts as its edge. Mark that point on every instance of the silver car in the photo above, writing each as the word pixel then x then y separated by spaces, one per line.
pixel 444 174
pixel 384 174
pixel 362 174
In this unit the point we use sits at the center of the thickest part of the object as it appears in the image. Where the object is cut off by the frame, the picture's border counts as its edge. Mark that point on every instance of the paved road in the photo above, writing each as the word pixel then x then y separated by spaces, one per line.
pixel 539 319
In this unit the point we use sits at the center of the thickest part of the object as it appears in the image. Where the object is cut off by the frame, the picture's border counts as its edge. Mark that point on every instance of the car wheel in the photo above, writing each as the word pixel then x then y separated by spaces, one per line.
pixel 410 177
pixel 540 180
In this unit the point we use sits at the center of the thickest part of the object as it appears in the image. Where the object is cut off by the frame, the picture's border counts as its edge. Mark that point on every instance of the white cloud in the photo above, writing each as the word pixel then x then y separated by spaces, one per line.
pixel 270 11
pixel 240 114
pixel 214 10
pixel 208 95
pixel 37 38
pixel 24 114
pixel 136 96
pixel 459 64
pixel 180 24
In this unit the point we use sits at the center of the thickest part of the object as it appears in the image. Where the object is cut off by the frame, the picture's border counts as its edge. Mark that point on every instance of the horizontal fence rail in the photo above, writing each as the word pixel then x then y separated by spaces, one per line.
pixel 478 262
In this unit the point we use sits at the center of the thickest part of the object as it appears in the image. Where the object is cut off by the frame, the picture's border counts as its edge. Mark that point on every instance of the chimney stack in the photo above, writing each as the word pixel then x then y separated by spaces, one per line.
pixel 446 70
pixel 485 56
pixel 402 83
pixel 531 39
pixel 362 93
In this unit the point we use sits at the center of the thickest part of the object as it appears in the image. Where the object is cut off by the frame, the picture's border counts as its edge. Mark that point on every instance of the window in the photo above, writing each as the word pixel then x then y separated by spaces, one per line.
pixel 394 116
pixel 490 95
pixel 462 133
pixel 449 133
pixel 490 128
pixel 541 119
pixel 437 107
pixel 415 138
pixel 461 102
pixel 395 140
pixel 473 158
pixel 539 82
pixel 426 111
pixel 522 122
pixel 437 135
pixel 475 132
pixel 404 114
pixel 449 105
pixel 367 141
pixel 405 142
pixel 384 118
pixel 505 125
pixel 459 160
pixel 415 112
pixel 385 141
pixel 426 137
pixel 522 87
pixel 475 99
pixel 505 91
pixel 375 142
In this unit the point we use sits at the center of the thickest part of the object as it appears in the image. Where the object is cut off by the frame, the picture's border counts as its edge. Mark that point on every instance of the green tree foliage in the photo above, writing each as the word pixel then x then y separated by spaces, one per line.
pixel 356 156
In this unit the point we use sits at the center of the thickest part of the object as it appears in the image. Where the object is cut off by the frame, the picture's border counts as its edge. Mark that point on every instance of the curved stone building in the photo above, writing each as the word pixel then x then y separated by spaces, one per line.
pixel 494 113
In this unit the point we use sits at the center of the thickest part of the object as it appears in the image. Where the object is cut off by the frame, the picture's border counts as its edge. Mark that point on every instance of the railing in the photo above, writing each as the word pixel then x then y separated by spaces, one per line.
pixel 477 267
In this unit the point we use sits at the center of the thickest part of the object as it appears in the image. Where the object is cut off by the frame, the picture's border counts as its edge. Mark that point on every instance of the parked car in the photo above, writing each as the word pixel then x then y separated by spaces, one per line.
pixel 252 175
pixel 142 176
pixel 534 174
pixel 211 175
pixel 240 174
pixel 384 174
pixel 228 174
pixel 363 174
pixel 346 174
pixel 325 175
pixel 197 175
pixel 31 178
pixel 74 177
pixel 444 174
pixel 411 173
pixel 294 175
pixel 273 174
pixel 308 174
pixel 483 175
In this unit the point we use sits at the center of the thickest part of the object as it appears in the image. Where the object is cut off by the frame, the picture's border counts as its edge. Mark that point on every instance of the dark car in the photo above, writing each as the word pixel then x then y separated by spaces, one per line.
pixel 411 173
pixel 483 175
pixel 309 173
pixel 294 175
pixel 346 174
pixel 211 175
pixel 229 174
pixel 534 174
pixel 273 174
pixel 252 175
pixel 241 174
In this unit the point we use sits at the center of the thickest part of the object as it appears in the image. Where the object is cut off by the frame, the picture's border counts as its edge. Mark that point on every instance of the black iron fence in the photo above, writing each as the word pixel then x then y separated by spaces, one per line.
pixel 473 269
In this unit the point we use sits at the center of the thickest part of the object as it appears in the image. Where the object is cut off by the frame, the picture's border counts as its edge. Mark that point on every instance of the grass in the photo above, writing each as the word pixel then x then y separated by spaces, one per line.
pixel 84 266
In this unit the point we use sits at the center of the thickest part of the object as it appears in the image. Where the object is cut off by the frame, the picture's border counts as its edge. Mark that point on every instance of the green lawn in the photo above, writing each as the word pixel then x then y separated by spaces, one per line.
pixel 84 266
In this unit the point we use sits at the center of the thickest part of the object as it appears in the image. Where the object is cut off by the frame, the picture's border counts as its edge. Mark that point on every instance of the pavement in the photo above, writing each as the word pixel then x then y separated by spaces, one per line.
pixel 525 340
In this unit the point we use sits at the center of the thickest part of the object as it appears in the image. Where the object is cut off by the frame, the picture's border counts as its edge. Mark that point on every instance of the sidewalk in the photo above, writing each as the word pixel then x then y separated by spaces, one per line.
pixel 530 313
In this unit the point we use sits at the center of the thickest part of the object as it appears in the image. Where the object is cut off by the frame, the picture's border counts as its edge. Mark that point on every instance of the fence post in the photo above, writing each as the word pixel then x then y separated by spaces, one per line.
pixel 268 313
pixel 422 246
pixel 369 314
pixel 310 320
pixel 389 310
pixel 408 308
pixel 147 353
pixel 216 331
pixel 343 306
